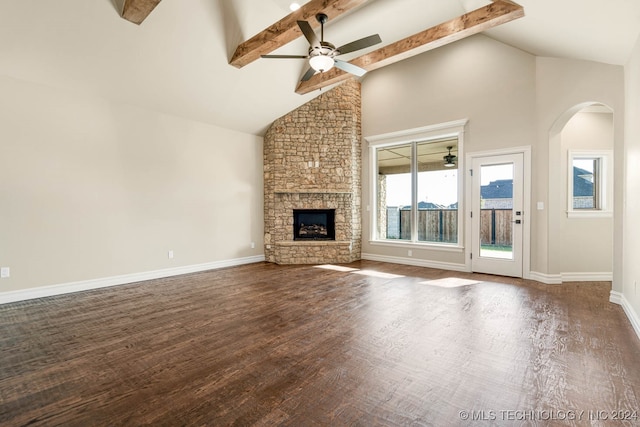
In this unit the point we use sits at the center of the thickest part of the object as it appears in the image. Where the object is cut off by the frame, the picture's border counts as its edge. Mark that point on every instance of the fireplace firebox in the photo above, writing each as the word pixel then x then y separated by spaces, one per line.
pixel 314 224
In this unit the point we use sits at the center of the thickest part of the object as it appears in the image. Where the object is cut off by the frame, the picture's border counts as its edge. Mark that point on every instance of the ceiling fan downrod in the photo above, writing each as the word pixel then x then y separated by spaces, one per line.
pixel 322 19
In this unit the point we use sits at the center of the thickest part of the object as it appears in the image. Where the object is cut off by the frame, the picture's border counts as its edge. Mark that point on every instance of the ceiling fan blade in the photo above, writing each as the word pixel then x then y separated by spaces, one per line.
pixel 350 68
pixel 309 34
pixel 310 72
pixel 285 56
pixel 360 44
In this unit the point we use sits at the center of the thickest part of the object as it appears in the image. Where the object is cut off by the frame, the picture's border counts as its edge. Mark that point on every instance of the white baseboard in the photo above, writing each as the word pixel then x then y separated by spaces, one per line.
pixel 84 285
pixel 634 318
pixel 557 279
pixel 416 262
pixel 548 279
pixel 587 277
pixel 615 297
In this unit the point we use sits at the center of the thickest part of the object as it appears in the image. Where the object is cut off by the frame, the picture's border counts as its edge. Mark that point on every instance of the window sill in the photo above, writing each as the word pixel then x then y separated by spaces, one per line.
pixel 416 245
pixel 589 214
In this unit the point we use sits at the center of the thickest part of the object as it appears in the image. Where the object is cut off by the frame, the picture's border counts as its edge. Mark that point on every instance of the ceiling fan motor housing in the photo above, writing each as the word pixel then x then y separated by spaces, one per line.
pixel 325 48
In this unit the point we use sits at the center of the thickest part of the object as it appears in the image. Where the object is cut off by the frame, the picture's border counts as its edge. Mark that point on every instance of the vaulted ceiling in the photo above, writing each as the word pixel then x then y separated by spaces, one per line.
pixel 178 60
pixel 497 12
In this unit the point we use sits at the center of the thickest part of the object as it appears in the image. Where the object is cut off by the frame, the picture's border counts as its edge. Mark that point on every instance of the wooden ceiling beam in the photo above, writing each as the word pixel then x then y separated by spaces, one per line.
pixel 286 29
pixel 484 18
pixel 137 10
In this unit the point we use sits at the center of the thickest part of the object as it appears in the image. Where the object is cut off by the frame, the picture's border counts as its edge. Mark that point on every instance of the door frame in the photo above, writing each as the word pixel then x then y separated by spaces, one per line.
pixel 526 201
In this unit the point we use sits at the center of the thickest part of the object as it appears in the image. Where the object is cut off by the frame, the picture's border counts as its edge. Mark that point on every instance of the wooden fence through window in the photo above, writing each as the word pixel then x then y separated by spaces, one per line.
pixel 441 225
pixel 434 225
pixel 495 227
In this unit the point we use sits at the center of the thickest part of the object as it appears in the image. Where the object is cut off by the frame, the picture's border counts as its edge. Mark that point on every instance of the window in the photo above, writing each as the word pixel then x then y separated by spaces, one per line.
pixel 418 186
pixel 590 178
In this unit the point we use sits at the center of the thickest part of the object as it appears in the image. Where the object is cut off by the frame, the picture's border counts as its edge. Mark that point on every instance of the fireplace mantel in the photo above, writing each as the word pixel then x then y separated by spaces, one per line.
pixel 302 243
pixel 315 191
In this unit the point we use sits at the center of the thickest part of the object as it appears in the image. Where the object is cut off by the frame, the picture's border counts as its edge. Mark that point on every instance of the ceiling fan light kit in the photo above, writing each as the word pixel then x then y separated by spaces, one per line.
pixel 449 159
pixel 321 63
pixel 322 54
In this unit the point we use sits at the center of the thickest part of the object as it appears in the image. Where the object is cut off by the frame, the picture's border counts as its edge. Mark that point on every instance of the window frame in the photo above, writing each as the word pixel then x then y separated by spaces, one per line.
pixel 427 133
pixel 604 185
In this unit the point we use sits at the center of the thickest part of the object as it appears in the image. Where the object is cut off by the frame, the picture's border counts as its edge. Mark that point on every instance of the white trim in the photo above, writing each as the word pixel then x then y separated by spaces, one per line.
pixel 590 214
pixel 587 277
pixel 557 279
pixel 634 318
pixel 500 151
pixel 417 245
pixel 422 133
pixel 84 285
pixel 416 262
pixel 616 297
pixel 548 279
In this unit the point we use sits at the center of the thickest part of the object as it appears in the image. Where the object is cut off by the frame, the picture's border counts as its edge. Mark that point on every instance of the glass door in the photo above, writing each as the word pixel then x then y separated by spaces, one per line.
pixel 497 215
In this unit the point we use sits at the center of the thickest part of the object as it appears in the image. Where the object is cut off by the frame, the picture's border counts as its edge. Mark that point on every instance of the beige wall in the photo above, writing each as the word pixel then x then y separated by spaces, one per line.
pixel 91 189
pixel 511 99
pixel 631 279
pixel 490 83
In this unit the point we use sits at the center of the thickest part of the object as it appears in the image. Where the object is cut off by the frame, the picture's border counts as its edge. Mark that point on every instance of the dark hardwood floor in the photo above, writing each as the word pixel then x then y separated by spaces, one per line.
pixel 263 344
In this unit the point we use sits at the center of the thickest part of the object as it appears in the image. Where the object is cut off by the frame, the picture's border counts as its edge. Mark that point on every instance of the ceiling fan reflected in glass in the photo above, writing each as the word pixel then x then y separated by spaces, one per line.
pixel 322 54
pixel 449 159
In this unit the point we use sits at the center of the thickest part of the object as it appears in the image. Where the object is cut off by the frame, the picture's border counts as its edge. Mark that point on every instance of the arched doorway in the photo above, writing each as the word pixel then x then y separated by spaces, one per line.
pixel 581 233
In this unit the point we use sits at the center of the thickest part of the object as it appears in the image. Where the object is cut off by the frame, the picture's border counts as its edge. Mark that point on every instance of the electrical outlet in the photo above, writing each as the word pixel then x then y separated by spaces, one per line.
pixel 410 253
pixel 253 245
pixel 5 272
pixel 635 287
pixel 268 246
pixel 170 254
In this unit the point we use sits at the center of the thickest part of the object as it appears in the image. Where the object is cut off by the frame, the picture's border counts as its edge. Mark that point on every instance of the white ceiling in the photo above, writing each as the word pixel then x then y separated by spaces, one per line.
pixel 176 62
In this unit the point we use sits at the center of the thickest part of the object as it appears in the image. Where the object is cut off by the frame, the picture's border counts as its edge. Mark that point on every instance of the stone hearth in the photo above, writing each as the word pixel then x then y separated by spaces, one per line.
pixel 312 160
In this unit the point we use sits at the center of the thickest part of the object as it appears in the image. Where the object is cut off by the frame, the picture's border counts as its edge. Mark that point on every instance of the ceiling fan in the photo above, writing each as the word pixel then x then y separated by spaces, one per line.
pixel 322 54
pixel 450 159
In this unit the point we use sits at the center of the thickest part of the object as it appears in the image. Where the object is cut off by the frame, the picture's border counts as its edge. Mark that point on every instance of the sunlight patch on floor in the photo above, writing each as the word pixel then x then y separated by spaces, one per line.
pixel 336 267
pixel 370 273
pixel 378 274
pixel 450 282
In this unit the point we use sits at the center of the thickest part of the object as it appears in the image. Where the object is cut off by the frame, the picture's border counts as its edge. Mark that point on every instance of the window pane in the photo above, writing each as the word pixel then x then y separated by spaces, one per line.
pixel 585 181
pixel 394 192
pixel 437 192
pixel 496 211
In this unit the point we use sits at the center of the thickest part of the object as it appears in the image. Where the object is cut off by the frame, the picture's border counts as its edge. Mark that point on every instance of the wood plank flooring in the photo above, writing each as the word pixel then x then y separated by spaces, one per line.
pixel 264 344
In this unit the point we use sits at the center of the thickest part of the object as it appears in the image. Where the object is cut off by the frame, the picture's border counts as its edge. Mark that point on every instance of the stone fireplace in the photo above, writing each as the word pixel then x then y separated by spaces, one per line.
pixel 312 162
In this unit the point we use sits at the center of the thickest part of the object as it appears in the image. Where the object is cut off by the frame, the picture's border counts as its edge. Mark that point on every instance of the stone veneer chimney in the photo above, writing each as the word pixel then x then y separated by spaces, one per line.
pixel 312 160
